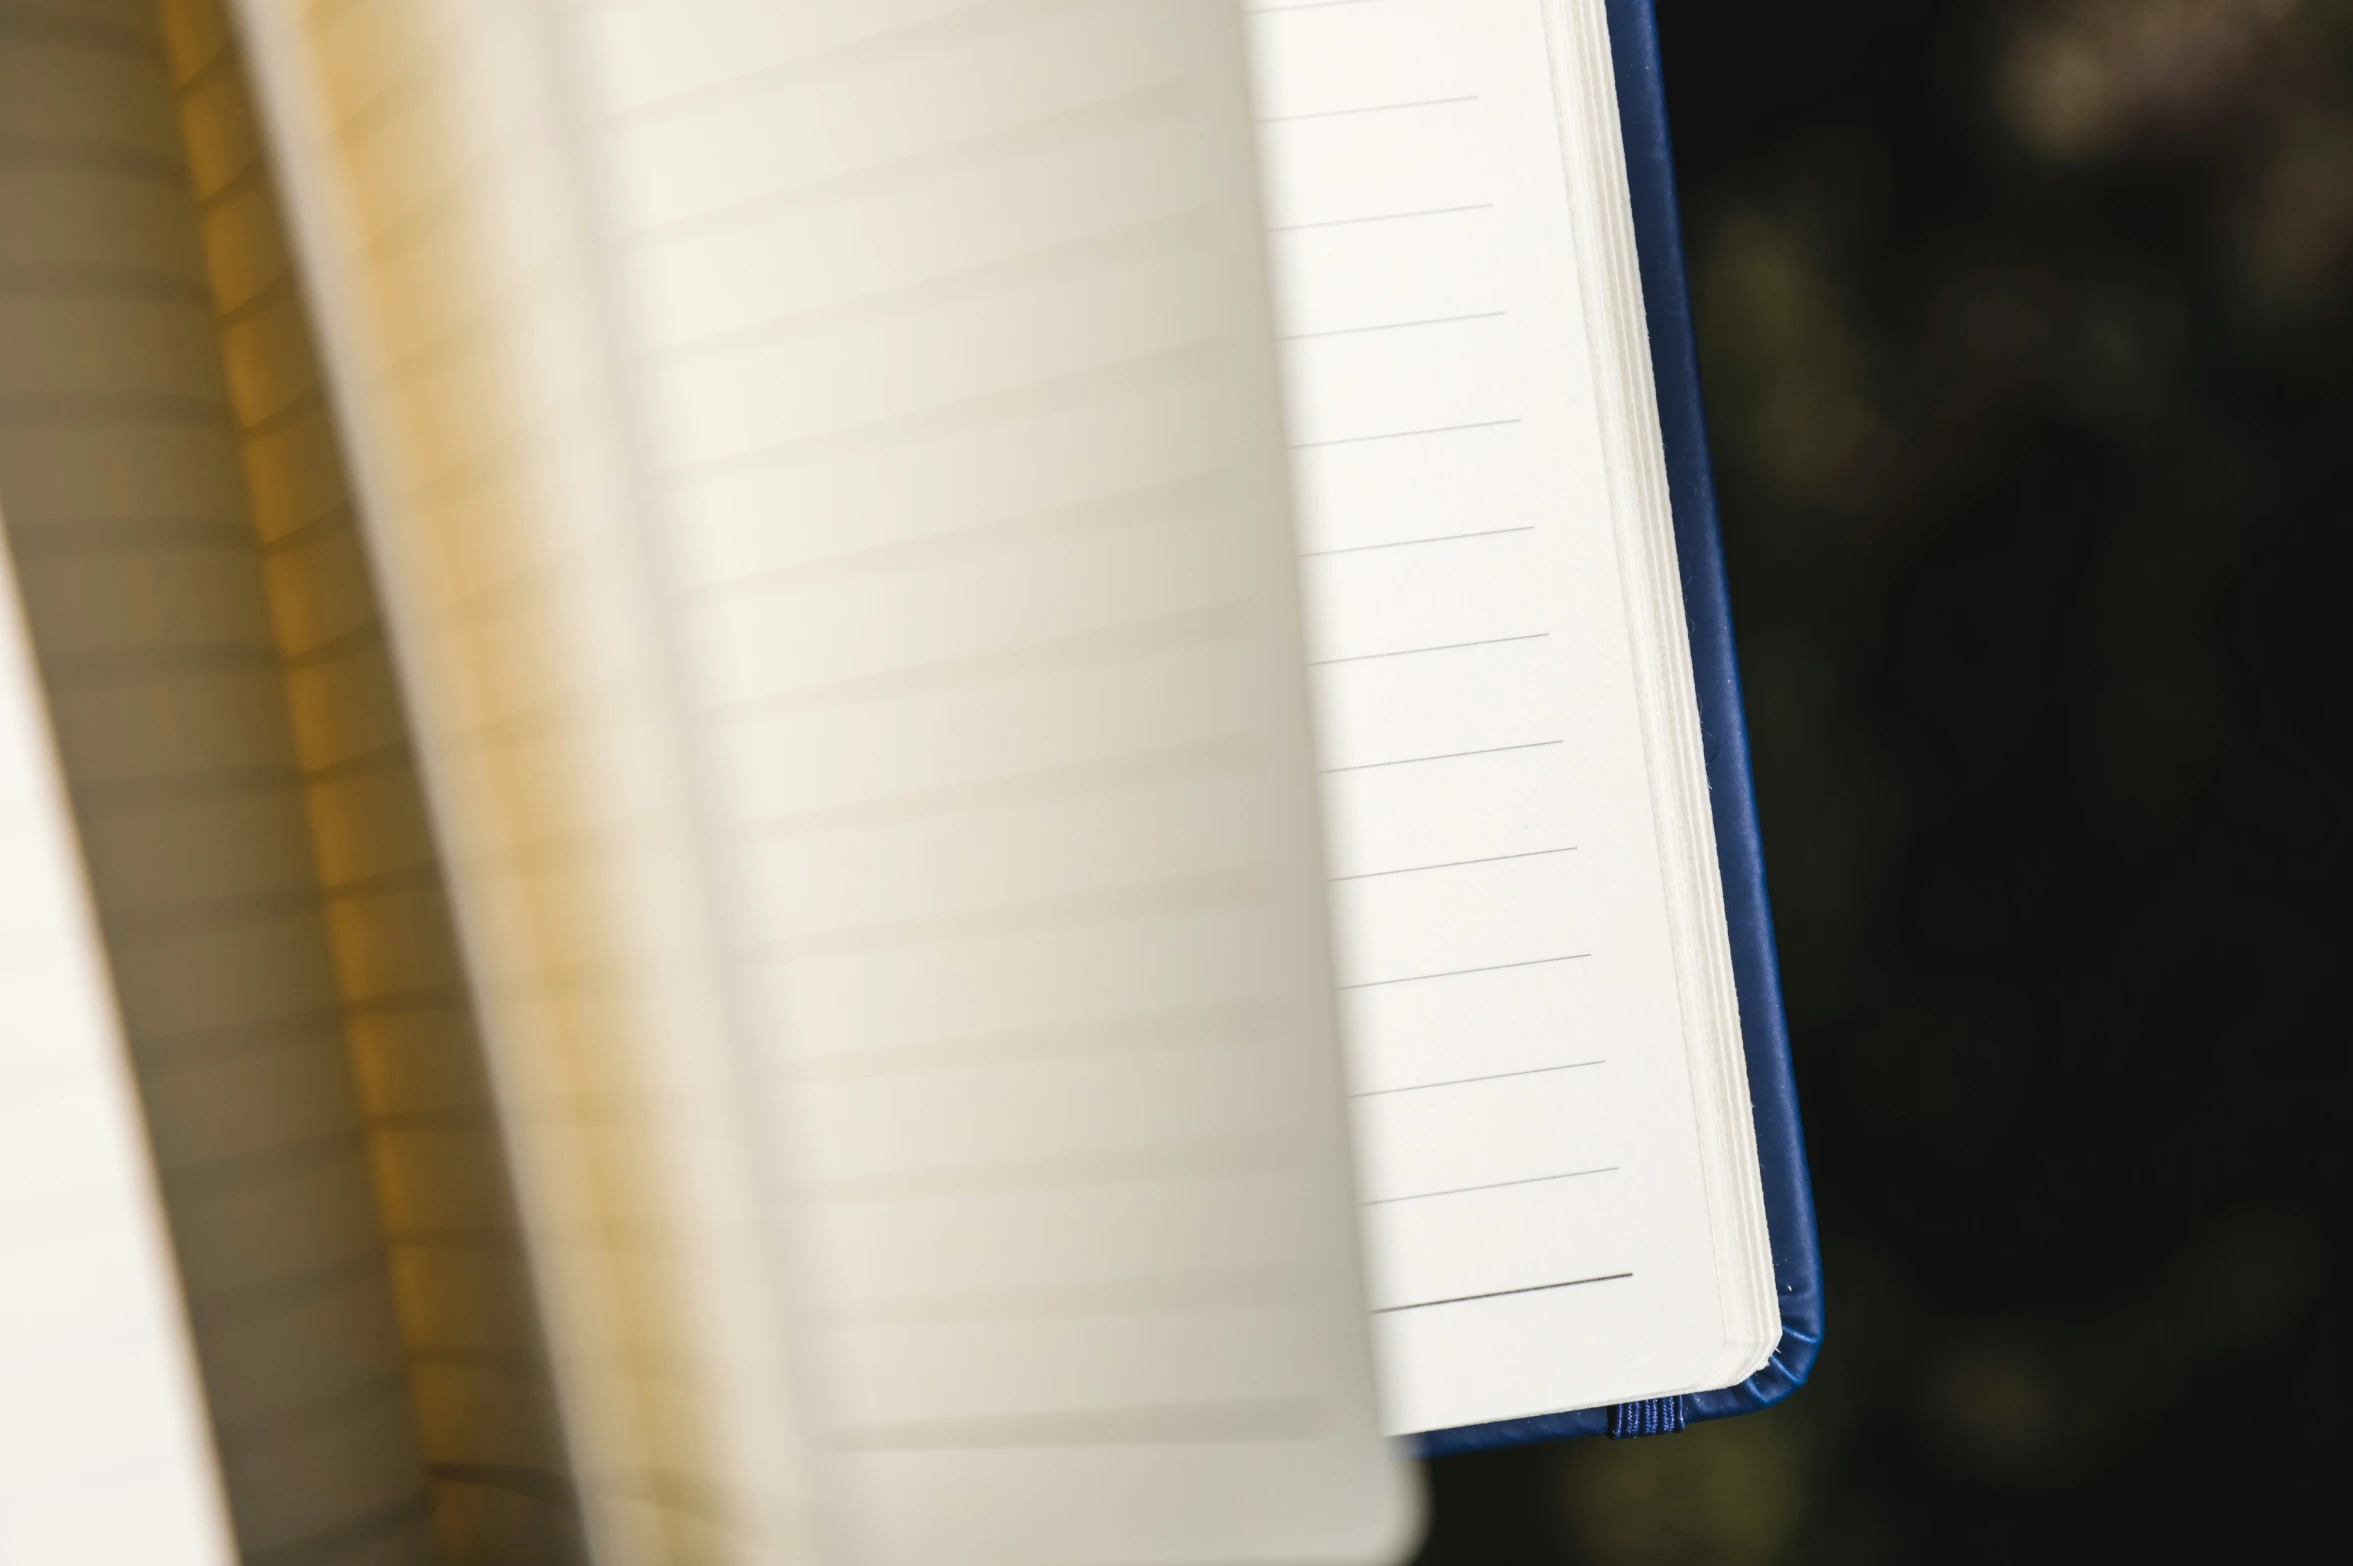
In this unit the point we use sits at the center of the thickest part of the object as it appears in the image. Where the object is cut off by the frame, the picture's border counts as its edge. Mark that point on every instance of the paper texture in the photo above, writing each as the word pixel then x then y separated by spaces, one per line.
pixel 957 411
pixel 127 520
pixel 104 1454
pixel 477 1368
pixel 430 197
pixel 1542 1203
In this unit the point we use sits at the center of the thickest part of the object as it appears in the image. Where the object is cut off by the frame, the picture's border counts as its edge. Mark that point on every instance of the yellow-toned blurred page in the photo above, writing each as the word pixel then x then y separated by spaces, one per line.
pixel 826 460
pixel 144 592
pixel 477 1364
pixel 429 188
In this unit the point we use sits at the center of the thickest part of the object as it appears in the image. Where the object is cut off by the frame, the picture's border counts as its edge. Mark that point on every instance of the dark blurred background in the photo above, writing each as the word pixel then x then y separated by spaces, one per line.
pixel 2028 336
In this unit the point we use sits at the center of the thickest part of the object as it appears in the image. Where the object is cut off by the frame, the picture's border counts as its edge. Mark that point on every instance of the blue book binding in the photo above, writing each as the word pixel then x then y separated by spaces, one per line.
pixel 1789 1201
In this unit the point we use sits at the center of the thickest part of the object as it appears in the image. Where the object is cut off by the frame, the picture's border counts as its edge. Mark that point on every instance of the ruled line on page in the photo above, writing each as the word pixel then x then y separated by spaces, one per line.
pixel 1129 1294
pixel 1161 101
pixel 1497 1294
pixel 1454 864
pixel 1464 973
pixel 1304 5
pixel 1495 1185
pixel 1240 1420
pixel 1215 624
pixel 1382 217
pixel 1435 429
pixel 1493 1076
pixel 413 1510
pixel 1225 755
pixel 1393 326
pixel 100 281
pixel 889 46
pixel 1138 900
pixel 1447 755
pixel 1405 543
pixel 1199 359
pixel 1188 494
pixel 1370 108
pixel 1163 1028
pixel 1415 652
pixel 1158 235
pixel 1236 1155
pixel 998 942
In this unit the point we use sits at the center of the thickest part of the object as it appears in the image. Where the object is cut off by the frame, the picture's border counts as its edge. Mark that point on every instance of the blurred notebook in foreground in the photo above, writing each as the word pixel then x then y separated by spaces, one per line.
pixel 737 696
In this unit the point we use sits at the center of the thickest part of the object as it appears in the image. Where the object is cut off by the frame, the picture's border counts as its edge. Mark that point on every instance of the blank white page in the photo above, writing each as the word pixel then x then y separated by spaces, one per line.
pixel 1536 1177
pixel 104 1455
pixel 955 385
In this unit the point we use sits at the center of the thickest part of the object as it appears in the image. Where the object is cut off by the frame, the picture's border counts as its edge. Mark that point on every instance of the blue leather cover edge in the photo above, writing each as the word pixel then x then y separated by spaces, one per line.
pixel 1789 1198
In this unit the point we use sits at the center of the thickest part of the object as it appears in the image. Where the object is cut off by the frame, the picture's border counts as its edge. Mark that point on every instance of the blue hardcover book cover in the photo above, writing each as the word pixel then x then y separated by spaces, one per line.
pixel 1789 1205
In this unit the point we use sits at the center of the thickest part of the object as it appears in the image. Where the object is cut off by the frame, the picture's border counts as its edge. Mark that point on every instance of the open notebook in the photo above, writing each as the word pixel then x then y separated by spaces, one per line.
pixel 857 780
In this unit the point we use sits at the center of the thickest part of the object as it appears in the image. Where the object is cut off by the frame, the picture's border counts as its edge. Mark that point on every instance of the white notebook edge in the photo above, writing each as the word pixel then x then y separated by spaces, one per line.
pixel 164 1441
pixel 1577 32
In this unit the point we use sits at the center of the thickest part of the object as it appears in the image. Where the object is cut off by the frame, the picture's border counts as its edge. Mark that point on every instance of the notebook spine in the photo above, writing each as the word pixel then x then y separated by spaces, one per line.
pixel 1649 1417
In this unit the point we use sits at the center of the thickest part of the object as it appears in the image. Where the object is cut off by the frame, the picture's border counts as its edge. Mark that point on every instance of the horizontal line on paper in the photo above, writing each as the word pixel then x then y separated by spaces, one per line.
pixel 541 1484
pixel 1203 1289
pixel 111 410
pixel 516 1360
pixel 1185 496
pixel 996 405
pixel 1176 1027
pixel 1371 108
pixel 1448 755
pixel 1303 5
pixel 1383 217
pixel 1181 1424
pixel 1454 864
pixel 1209 1158
pixel 1159 235
pixel 1497 1294
pixel 1160 101
pixel 78 537
pixel 1219 756
pixel 1435 429
pixel 1213 625
pixel 1462 973
pixel 1415 652
pixel 103 282
pixel 1406 543
pixel 1497 1185
pixel 1394 326
pixel 1165 896
pixel 82 153
pixel 245 1302
pixel 238 1434
pixel 345 1539
pixel 1497 1076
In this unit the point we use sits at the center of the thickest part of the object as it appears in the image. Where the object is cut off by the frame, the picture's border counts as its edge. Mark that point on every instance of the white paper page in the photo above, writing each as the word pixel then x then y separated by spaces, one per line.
pixel 955 384
pixel 104 1456
pixel 1535 1201
pixel 131 535
pixel 429 185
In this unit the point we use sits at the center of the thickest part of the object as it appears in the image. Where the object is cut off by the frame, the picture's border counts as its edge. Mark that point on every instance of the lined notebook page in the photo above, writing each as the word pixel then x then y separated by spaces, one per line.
pixel 1535 1178
pixel 958 407
pixel 477 1367
pixel 104 1456
pixel 128 526
pixel 430 200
